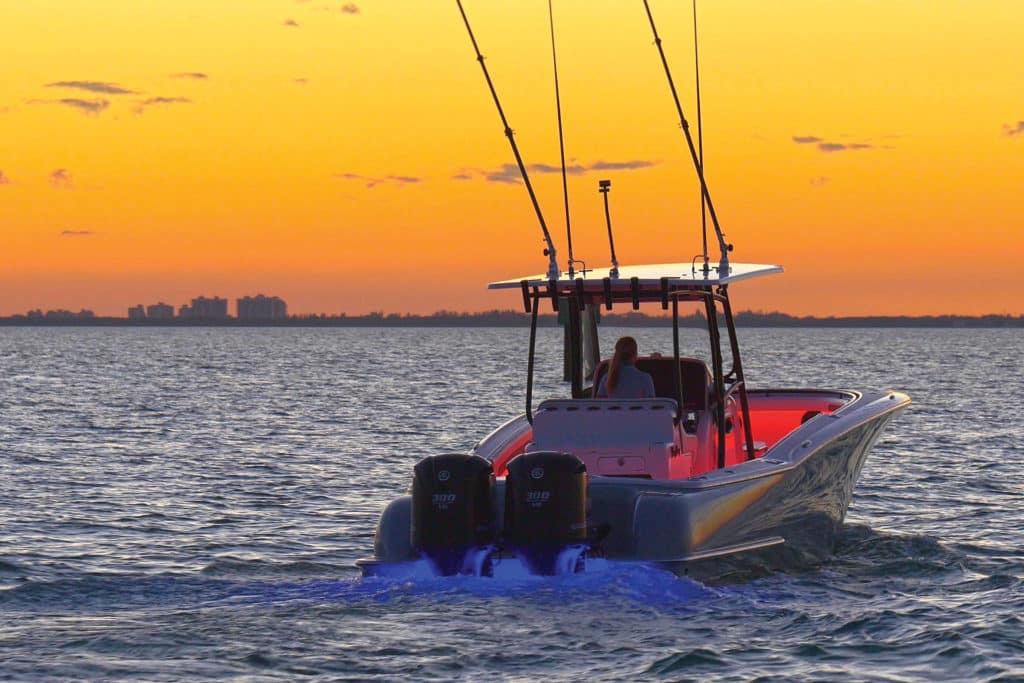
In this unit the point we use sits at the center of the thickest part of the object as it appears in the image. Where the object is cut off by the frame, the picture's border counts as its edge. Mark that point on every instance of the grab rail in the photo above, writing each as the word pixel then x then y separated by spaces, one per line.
pixel 740 387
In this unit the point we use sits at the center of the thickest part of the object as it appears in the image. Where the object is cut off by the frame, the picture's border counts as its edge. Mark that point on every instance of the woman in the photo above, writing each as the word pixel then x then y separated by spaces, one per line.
pixel 623 380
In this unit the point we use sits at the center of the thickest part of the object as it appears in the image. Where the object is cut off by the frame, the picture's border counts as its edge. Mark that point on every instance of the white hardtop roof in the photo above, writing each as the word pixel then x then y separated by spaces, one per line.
pixel 677 274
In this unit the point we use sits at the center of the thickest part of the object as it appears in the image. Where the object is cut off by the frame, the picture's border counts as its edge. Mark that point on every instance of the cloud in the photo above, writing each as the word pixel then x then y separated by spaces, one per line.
pixel 4 180
pixel 571 169
pixel 509 173
pixel 61 179
pixel 100 87
pixel 77 233
pixel 290 22
pixel 194 75
pixel 621 165
pixel 350 8
pixel 1014 130
pixel 159 101
pixel 829 147
pixel 372 182
pixel 86 106
pixel 166 100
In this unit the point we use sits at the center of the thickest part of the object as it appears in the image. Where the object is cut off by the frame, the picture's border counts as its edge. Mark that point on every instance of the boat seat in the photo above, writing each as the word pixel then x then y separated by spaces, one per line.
pixel 697 382
pixel 635 437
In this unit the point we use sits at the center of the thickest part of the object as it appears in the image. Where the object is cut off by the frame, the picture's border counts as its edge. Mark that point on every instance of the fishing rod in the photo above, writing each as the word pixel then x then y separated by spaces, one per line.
pixel 561 142
pixel 553 271
pixel 700 142
pixel 723 264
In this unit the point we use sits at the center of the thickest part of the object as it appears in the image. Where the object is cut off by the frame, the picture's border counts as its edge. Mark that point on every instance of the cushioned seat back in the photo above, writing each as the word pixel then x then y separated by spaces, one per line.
pixel 568 424
pixel 633 437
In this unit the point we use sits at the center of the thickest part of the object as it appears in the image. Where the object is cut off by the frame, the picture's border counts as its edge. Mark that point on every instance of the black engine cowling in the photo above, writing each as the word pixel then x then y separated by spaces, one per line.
pixel 451 509
pixel 545 508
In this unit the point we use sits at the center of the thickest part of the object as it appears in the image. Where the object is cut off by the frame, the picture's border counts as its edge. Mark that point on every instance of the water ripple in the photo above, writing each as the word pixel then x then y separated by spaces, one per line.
pixel 188 504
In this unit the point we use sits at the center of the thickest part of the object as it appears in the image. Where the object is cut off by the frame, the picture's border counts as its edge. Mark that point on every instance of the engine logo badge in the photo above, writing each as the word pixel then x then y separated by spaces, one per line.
pixel 444 475
pixel 537 498
pixel 537 473
pixel 443 500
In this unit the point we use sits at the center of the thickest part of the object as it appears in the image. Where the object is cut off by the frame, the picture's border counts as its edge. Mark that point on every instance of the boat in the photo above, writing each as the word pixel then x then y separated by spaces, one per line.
pixel 707 472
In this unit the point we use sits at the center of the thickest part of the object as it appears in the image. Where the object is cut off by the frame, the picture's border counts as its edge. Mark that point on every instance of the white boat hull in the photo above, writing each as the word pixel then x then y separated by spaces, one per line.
pixel 790 502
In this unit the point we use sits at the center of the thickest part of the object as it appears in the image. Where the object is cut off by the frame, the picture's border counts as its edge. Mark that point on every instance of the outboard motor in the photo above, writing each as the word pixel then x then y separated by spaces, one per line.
pixel 546 511
pixel 451 513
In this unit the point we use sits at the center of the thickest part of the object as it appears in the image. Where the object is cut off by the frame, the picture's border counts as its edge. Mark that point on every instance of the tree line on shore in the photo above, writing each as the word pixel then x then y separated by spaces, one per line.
pixel 509 318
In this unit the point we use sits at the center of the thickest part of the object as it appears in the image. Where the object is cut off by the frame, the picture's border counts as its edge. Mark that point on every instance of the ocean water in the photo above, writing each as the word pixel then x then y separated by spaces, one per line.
pixel 187 504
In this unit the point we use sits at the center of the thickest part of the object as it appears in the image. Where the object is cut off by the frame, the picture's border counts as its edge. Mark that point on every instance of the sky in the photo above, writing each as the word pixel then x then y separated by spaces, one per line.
pixel 347 156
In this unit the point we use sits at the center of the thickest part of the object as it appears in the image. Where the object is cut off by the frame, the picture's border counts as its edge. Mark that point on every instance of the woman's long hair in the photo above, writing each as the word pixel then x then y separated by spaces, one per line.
pixel 625 351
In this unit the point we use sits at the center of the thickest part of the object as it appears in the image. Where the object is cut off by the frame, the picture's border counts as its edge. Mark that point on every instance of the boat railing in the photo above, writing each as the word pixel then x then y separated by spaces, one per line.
pixel 737 410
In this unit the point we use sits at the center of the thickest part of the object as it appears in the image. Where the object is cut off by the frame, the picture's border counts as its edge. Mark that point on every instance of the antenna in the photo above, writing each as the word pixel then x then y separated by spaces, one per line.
pixel 723 263
pixel 604 187
pixel 561 142
pixel 700 142
pixel 553 272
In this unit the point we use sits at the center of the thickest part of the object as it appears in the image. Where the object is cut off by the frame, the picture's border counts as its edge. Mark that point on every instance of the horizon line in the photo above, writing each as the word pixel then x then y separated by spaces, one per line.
pixel 502 317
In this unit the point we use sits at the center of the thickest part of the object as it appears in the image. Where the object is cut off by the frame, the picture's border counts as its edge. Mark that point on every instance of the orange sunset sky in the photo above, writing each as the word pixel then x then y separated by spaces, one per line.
pixel 347 156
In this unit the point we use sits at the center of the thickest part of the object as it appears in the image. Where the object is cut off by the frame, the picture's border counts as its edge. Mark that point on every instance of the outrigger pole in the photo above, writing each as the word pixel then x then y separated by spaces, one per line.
pixel 561 143
pixel 723 264
pixel 553 272
pixel 700 141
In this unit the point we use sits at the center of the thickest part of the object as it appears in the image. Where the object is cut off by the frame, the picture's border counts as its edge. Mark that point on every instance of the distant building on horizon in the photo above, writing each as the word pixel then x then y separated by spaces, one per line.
pixel 137 312
pixel 60 314
pixel 261 307
pixel 203 308
pixel 160 311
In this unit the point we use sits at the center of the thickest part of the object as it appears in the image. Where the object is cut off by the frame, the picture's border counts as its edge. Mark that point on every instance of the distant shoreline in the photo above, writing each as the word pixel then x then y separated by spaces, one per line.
pixel 744 319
